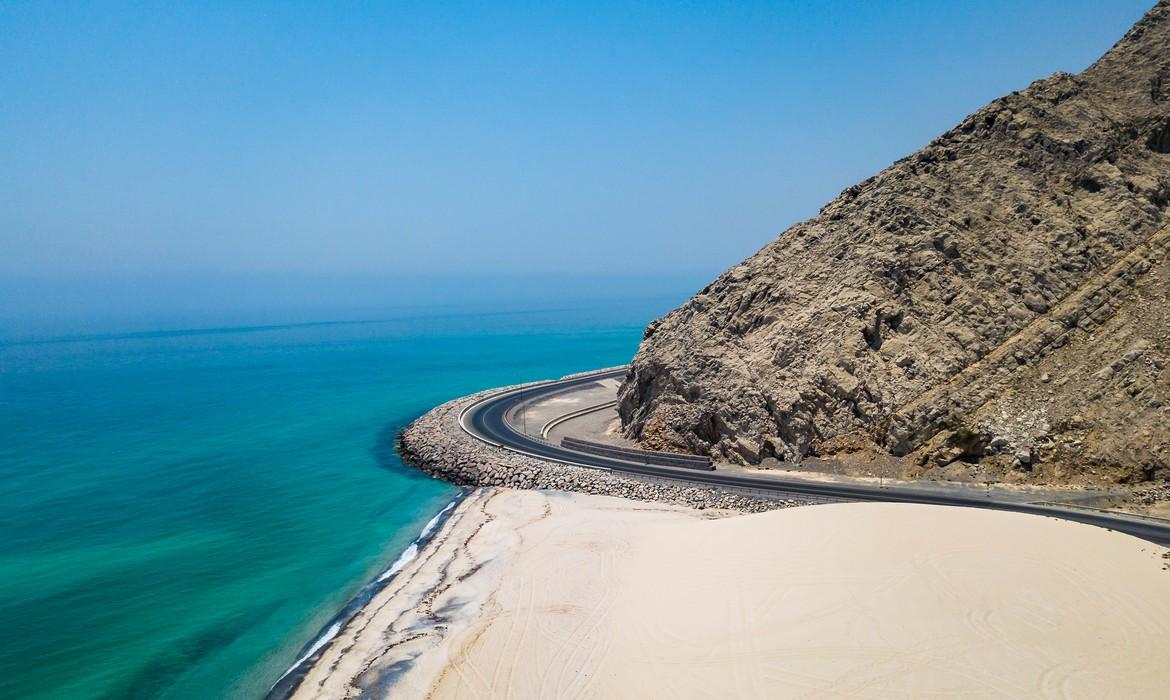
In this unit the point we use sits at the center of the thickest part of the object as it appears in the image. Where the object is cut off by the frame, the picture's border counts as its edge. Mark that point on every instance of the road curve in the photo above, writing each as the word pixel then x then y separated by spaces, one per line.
pixel 486 420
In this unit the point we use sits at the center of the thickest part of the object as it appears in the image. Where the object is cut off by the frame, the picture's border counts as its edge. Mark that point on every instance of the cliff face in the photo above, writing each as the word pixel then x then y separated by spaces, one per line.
pixel 1002 296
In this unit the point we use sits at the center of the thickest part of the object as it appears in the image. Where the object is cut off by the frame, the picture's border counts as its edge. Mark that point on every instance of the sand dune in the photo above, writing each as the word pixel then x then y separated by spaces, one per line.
pixel 580 596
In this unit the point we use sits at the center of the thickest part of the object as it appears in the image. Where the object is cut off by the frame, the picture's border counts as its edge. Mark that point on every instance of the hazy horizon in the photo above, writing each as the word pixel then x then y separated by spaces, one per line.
pixel 305 157
pixel 42 309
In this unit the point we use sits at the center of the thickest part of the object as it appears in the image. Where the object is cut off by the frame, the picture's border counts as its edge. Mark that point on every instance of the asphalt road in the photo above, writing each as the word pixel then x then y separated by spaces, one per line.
pixel 486 420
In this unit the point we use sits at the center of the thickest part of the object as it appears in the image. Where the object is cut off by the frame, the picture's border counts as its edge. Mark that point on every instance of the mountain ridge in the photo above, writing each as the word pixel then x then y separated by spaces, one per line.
pixel 1044 210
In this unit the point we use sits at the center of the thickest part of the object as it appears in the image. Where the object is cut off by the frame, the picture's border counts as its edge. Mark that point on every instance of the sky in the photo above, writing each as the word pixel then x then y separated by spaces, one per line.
pixel 157 154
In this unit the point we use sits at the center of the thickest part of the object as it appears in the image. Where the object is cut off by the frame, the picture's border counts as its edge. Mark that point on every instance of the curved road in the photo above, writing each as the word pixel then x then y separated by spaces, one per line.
pixel 486 419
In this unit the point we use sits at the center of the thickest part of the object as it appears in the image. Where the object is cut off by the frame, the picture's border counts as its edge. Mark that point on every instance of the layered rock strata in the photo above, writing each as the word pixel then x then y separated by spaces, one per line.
pixel 1000 298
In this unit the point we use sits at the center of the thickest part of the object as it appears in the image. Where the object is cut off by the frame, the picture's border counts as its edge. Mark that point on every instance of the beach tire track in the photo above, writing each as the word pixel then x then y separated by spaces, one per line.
pixel 528 615
pixel 589 642
pixel 560 659
pixel 520 618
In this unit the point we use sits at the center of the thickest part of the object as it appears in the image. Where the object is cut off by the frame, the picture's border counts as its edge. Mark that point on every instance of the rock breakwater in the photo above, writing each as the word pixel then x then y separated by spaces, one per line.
pixel 436 444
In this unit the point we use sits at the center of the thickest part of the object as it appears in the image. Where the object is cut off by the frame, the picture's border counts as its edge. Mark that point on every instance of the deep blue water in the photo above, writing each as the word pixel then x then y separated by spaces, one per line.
pixel 181 511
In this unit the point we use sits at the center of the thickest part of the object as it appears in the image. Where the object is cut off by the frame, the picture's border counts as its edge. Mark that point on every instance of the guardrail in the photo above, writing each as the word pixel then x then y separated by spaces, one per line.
pixel 544 431
pixel 1104 511
pixel 590 372
pixel 668 459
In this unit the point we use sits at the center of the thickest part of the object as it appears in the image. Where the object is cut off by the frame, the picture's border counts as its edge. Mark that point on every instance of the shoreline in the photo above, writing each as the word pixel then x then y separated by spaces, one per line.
pixel 402 638
pixel 554 594
pixel 414 630
pixel 411 590
pixel 474 467
pixel 285 687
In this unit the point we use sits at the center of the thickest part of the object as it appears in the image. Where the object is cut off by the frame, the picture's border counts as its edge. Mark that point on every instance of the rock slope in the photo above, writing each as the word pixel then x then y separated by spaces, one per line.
pixel 1001 298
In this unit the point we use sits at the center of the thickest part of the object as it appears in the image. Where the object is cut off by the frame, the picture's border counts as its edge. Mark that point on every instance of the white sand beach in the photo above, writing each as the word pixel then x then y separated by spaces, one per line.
pixel 540 595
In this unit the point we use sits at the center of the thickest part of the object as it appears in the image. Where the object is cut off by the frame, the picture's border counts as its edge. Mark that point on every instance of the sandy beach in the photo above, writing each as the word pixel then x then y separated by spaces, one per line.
pixel 539 594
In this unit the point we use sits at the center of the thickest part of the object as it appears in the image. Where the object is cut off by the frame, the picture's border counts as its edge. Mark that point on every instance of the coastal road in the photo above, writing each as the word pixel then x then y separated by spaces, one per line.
pixel 486 420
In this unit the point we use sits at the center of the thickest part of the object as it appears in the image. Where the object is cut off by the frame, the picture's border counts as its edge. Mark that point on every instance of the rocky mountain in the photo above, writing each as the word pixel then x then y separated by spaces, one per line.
pixel 1001 298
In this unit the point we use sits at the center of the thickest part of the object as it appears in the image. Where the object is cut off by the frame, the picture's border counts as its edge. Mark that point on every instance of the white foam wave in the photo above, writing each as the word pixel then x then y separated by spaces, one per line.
pixel 321 641
pixel 430 526
pixel 402 560
pixel 412 551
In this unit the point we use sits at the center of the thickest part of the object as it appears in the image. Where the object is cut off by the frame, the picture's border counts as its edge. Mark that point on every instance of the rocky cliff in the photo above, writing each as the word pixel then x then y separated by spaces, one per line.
pixel 1001 298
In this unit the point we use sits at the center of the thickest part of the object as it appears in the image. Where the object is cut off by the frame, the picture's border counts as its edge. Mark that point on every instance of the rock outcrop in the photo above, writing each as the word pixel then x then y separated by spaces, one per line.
pixel 1001 297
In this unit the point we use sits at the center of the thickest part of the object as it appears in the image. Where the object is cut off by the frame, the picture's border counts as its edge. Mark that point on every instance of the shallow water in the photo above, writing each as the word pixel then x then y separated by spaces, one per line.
pixel 181 512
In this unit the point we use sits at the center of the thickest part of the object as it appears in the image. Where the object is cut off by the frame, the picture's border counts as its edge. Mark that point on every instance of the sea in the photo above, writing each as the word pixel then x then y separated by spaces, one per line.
pixel 184 510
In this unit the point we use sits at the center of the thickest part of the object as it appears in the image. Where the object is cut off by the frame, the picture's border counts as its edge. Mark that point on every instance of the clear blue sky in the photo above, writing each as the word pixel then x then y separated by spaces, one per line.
pixel 318 141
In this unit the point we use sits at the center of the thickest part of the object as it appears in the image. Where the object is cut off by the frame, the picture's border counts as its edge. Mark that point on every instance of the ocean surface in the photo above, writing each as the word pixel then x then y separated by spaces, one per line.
pixel 183 510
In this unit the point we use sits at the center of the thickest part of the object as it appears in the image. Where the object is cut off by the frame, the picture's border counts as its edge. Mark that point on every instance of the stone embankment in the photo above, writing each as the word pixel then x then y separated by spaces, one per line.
pixel 436 444
pixel 1151 495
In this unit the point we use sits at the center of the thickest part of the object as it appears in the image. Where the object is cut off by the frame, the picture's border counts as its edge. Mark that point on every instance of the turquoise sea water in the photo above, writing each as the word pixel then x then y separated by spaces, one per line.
pixel 182 511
